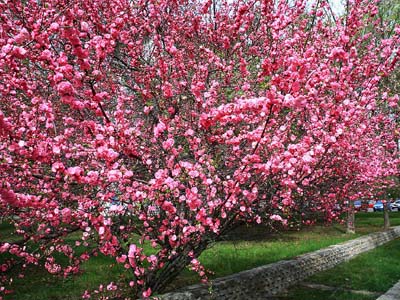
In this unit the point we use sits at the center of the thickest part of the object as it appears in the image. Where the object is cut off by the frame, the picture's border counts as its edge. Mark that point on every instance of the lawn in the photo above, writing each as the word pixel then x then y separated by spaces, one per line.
pixel 375 271
pixel 250 247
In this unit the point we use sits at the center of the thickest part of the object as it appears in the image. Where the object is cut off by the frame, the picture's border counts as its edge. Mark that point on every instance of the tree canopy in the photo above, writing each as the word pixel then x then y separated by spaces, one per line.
pixel 167 123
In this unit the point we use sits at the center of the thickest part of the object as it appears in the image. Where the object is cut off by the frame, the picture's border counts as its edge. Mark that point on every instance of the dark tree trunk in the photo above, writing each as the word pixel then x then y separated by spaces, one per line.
pixel 350 220
pixel 386 220
pixel 160 280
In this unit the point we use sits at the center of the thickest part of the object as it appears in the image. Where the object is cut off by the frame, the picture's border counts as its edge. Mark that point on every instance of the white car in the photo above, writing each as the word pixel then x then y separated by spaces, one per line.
pixel 396 205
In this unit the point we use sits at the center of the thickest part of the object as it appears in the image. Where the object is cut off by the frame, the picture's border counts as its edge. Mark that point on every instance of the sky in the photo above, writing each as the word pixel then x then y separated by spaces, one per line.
pixel 337 6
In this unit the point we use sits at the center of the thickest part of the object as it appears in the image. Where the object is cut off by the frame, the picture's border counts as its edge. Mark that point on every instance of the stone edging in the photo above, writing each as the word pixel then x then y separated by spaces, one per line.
pixel 392 294
pixel 271 279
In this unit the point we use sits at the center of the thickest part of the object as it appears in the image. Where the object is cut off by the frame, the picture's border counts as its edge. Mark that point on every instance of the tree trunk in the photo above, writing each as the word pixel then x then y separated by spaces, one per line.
pixel 161 279
pixel 350 220
pixel 386 220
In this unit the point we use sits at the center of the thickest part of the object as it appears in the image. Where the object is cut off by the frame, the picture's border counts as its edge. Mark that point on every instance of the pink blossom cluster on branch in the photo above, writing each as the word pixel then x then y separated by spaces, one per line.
pixel 164 124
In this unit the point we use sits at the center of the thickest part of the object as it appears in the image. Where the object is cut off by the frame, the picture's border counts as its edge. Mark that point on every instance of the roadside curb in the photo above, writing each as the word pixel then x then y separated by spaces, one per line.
pixel 392 294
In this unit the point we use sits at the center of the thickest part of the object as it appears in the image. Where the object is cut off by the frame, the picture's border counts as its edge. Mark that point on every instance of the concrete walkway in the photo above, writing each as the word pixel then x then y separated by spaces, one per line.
pixel 392 294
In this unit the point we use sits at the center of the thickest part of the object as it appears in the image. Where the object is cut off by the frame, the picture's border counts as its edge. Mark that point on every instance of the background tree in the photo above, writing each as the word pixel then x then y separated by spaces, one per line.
pixel 193 115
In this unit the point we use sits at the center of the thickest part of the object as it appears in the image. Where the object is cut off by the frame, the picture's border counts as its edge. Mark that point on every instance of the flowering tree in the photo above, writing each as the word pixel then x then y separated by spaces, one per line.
pixel 166 123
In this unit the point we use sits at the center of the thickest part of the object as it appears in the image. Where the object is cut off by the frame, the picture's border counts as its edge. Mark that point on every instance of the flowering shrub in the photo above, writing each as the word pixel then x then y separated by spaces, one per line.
pixel 192 115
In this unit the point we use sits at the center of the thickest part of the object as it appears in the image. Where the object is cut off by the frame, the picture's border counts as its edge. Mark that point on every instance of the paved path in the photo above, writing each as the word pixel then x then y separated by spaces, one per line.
pixel 392 294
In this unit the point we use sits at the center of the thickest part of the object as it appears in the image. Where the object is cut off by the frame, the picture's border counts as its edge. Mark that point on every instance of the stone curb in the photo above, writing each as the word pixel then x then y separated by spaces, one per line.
pixel 392 294
pixel 269 280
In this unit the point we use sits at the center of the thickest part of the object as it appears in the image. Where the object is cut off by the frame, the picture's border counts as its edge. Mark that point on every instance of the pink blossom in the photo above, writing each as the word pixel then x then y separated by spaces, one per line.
pixel 121 259
pixel 194 126
pixel 132 250
pixel 101 96
pixel 114 175
pixel 77 171
pixel 338 53
pixel 65 88
pixel 84 26
pixel 160 128
pixel 58 77
pixel 169 207
pixel 86 295
pixel 54 26
pixel 66 214
pixel 147 293
pixel 168 144
pixel 101 230
pixel 128 174
pixel 167 90
pixel 4 247
pixel 22 36
pixel 46 55
pixel 276 218
pixel 307 158
pixel 8 196
pixel 20 52
pixel 111 286
pixel 107 153
pixel 194 173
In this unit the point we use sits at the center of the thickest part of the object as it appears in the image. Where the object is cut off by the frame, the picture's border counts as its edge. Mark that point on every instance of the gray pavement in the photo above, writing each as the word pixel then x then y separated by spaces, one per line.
pixel 392 294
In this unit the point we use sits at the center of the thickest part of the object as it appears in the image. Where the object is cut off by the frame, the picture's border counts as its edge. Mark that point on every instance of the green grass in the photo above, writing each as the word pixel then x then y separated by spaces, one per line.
pixel 375 271
pixel 229 257
pixel 247 248
pixel 253 249
pixel 6 231
pixel 374 221
pixel 301 293
pixel 38 284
